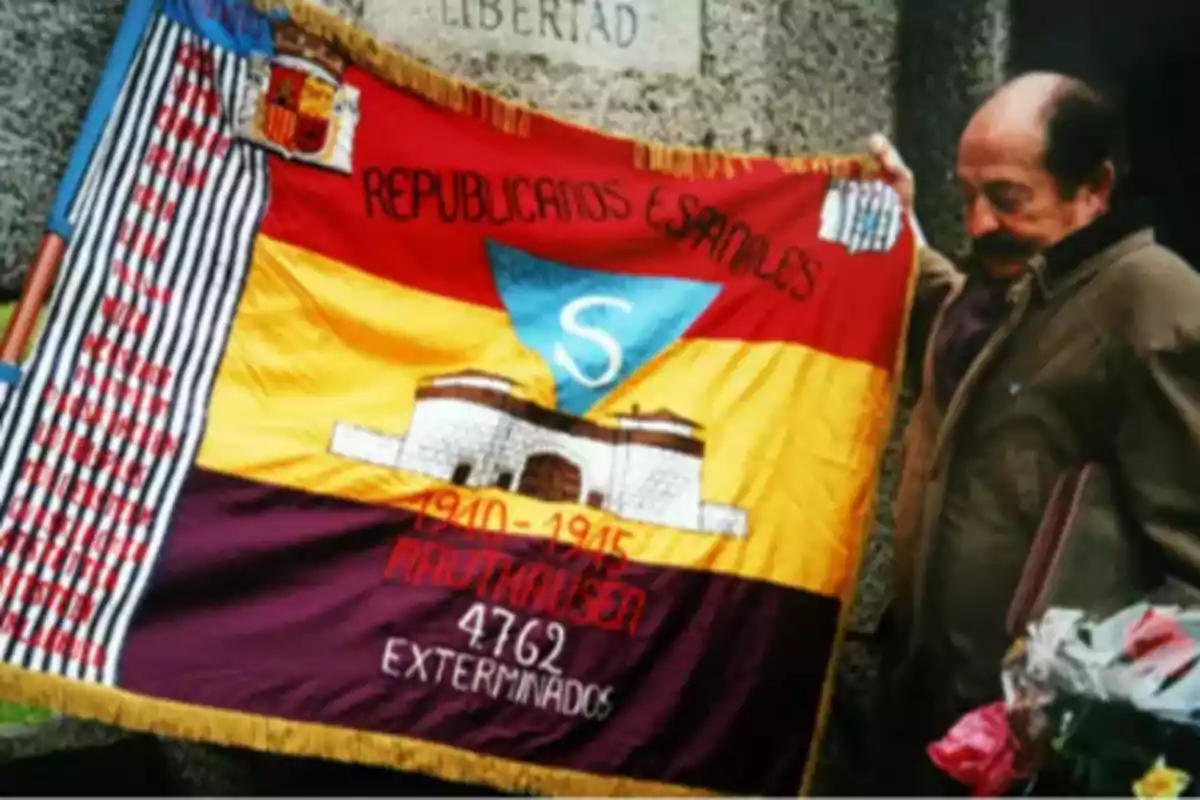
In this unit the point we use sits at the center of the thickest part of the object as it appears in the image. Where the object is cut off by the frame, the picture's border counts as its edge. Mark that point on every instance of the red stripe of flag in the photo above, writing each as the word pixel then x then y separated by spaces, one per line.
pixel 430 185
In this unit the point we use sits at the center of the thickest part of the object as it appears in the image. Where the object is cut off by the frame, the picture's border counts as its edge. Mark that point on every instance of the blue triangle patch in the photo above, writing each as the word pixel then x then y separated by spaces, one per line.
pixel 594 329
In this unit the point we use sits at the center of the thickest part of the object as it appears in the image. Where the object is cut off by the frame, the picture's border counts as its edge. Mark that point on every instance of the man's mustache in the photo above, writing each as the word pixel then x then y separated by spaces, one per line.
pixel 1002 246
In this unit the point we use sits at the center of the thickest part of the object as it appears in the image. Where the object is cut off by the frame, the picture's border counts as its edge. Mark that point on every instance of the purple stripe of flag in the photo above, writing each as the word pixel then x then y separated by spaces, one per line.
pixel 276 602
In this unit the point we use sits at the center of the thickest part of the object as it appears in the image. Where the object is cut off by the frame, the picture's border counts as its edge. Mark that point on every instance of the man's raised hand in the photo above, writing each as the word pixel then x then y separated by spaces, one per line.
pixel 899 173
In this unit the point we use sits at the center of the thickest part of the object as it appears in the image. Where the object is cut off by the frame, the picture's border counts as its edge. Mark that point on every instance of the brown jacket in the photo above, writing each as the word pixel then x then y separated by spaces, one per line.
pixel 1098 361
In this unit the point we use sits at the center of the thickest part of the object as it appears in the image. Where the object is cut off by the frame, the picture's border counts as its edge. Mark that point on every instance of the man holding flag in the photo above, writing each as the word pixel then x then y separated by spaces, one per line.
pixel 1069 337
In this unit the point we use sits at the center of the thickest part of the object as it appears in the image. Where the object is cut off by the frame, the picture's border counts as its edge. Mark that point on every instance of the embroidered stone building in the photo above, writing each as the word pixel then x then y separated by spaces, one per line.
pixel 471 429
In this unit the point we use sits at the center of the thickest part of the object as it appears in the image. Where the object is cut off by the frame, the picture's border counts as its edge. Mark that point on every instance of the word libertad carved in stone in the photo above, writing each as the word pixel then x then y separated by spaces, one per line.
pixel 592 22
pixel 653 35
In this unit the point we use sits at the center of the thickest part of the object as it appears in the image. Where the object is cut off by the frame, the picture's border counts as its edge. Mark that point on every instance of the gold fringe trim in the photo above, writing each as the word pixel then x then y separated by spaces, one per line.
pixel 848 603
pixel 515 117
pixel 273 735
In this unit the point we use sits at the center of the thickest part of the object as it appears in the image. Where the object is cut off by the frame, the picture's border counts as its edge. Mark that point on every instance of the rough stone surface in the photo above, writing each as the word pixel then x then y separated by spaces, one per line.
pixel 777 76
pixel 51 54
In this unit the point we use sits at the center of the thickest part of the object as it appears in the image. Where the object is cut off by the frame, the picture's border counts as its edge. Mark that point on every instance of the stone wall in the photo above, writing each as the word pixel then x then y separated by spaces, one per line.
pixel 51 54
pixel 777 76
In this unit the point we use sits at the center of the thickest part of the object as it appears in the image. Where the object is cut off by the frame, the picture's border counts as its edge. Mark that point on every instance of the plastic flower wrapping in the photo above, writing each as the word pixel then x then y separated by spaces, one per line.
pixel 1107 707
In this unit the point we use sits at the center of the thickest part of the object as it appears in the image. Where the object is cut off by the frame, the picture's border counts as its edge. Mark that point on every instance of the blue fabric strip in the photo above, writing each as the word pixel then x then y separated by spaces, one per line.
pixel 234 25
pixel 9 373
pixel 138 15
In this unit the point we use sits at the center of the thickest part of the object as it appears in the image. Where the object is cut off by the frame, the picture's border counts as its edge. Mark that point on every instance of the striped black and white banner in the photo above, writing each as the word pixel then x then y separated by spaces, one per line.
pixel 102 431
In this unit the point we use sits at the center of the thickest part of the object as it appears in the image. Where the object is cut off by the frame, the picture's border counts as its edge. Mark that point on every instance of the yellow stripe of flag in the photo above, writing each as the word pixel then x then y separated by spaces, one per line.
pixel 790 434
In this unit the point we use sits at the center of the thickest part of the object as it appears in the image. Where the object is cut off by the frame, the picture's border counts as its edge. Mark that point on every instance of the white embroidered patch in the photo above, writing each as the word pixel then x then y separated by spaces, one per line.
pixel 863 216
pixel 300 111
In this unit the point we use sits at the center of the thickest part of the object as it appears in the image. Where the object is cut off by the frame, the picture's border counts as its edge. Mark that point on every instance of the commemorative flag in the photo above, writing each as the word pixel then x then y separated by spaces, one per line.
pixel 378 418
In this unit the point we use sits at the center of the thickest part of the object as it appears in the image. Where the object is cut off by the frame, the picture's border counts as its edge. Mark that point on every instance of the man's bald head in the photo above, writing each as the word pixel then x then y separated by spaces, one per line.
pixel 1019 107
pixel 1057 121
pixel 1036 163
